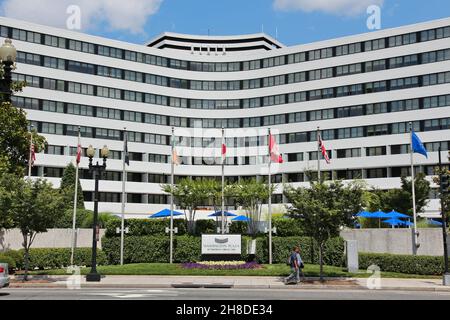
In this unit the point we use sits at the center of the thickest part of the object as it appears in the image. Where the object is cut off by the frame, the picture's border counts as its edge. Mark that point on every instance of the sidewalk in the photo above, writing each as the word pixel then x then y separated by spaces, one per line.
pixel 236 282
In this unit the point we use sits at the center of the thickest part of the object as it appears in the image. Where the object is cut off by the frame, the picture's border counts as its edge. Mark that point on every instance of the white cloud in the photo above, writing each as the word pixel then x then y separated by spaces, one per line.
pixel 125 15
pixel 337 7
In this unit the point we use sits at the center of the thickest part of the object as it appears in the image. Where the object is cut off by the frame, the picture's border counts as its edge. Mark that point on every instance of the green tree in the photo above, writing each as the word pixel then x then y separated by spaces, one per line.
pixel 34 208
pixel 251 194
pixel 65 220
pixel 323 209
pixel 67 188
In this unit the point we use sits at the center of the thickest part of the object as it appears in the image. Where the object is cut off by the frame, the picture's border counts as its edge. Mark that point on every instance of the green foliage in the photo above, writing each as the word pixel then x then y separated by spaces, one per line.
pixel 103 219
pixel 15 140
pixel 54 258
pixel 239 227
pixel 287 227
pixel 155 249
pixel 206 226
pixel 323 209
pixel 409 264
pixel 251 194
pixel 67 189
pixel 83 219
pixel 9 260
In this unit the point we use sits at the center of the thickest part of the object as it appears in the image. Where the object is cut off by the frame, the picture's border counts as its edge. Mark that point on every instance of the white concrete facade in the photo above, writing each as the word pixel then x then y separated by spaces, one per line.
pixel 236 54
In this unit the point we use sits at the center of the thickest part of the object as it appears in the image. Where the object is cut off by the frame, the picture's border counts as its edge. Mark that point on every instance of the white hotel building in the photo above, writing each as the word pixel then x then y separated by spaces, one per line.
pixel 361 90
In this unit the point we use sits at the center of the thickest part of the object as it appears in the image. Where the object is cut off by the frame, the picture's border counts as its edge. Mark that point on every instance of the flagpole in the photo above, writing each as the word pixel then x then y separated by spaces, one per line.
pixel 31 151
pixel 172 169
pixel 270 202
pixel 223 181
pixel 75 203
pixel 124 179
pixel 318 154
pixel 415 240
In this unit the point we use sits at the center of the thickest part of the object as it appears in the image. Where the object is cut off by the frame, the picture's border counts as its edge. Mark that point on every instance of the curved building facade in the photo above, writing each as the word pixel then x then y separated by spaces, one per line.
pixel 362 91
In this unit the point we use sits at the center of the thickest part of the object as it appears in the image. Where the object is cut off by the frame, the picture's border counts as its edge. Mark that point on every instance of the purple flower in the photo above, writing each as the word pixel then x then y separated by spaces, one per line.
pixel 195 265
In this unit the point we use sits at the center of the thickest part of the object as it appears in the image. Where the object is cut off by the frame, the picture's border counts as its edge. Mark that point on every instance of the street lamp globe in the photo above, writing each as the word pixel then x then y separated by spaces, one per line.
pixel 90 152
pixel 8 52
pixel 104 152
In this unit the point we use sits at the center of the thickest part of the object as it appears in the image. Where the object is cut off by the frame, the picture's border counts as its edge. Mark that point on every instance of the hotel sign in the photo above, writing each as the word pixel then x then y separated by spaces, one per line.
pixel 221 244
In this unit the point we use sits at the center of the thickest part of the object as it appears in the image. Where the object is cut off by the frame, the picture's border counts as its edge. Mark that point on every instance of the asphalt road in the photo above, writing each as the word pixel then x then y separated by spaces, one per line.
pixel 213 294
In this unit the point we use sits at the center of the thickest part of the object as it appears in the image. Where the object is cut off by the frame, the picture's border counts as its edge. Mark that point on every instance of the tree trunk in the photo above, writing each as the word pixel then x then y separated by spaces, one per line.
pixel 321 261
pixel 26 263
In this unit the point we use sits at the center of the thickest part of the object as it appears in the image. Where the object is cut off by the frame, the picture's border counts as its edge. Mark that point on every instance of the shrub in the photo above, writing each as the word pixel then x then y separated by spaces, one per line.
pixel 287 227
pixel 207 226
pixel 145 227
pixel 17 256
pixel 409 264
pixel 154 249
pixel 239 227
pixel 55 258
pixel 9 260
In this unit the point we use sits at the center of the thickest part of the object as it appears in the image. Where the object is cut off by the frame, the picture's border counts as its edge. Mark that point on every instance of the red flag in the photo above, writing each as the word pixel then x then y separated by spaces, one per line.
pixel 79 150
pixel 323 150
pixel 33 155
pixel 274 151
pixel 224 149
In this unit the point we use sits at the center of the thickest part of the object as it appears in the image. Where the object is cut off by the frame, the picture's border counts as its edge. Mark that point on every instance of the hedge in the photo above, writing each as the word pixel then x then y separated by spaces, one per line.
pixel 54 258
pixel 409 264
pixel 155 249
pixel 9 260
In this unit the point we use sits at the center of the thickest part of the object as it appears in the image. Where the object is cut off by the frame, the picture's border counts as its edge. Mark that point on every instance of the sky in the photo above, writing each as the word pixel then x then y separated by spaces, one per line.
pixel 291 21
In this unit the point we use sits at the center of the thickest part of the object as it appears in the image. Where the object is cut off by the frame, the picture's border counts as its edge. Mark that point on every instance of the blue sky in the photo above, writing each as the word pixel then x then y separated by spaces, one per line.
pixel 297 21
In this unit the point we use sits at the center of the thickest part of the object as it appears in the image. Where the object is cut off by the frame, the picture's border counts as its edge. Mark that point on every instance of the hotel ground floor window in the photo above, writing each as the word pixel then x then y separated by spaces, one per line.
pixel 295 177
pixel 376 173
pixel 157 199
pixel 349 174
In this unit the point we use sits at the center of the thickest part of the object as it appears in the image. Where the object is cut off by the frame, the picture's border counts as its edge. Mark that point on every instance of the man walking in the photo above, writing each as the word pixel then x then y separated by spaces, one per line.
pixel 296 264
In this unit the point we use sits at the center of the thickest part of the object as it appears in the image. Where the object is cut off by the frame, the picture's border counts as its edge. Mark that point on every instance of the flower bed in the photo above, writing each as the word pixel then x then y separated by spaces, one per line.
pixel 221 265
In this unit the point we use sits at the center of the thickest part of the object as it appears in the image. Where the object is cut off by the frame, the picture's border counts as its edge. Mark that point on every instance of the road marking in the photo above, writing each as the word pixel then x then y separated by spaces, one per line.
pixel 133 294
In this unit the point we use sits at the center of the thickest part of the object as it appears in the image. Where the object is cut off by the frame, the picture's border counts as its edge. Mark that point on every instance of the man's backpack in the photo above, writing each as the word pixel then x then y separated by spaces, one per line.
pixel 289 260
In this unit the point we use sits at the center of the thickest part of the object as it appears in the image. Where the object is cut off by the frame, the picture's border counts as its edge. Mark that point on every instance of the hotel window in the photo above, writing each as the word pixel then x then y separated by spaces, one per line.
pixel 297 117
pixel 375 151
pixel 26 103
pixel 297 97
pixel 110 52
pixel 441 55
pixel 155 139
pixel 348 49
pixel 434 146
pixel 81 67
pixel 377 173
pixel 405 83
pixel 433 102
pixel 349 153
pixel 320 54
pixel 109 72
pixel 320 74
pixel 4 31
pixel 400 149
pixel 178 102
pixel 30 80
pixel 321 114
pixel 348 174
pixel 157 158
pixel 402 39
pixel 132 96
pixel 52 128
pixel 251 103
pixel 157 199
pixel 350 111
pixel 348 69
pixel 108 113
pixel 52 106
pixel 108 92
pixel 111 134
pixel 251 84
pixel 251 65
pixel 378 86
pixel 297 77
pixel 375 65
pixel 56 150
pixel 134 136
pixel 132 116
pixel 53 172
pixel 273 62
pixel 55 41
pixel 274 100
pixel 54 63
pixel 295 157
pixel 81 88
pixel 437 78
pixel 28 58
pixel 297 57
pixel 403 127
pixel 81 46
pixel 436 124
pixel 133 76
pixel 404 105
pixel 298 137
pixel 84 131
pixel 28 36
pixel 80 110
pixel 274 81
pixel 377 130
pixel 376 108
pixel 52 84
pixel 374 44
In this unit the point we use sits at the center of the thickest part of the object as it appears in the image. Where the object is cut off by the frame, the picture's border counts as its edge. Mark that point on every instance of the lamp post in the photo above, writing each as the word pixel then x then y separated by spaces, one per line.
pixel 97 170
pixel 8 55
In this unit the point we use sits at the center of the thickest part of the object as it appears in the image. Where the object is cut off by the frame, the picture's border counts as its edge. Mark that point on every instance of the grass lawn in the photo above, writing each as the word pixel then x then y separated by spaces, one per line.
pixel 276 270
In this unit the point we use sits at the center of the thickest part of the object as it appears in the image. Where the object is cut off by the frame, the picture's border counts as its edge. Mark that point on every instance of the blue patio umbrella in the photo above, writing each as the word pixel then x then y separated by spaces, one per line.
pixel 393 222
pixel 379 215
pixel 396 215
pixel 219 214
pixel 165 213
pixel 240 218
pixel 434 222
pixel 364 214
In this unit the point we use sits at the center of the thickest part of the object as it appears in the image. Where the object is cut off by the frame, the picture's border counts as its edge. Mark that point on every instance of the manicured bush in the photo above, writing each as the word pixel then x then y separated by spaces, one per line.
pixel 239 227
pixel 154 249
pixel 54 258
pixel 409 264
pixel 145 227
pixel 9 260
pixel 17 256
pixel 287 227
pixel 207 226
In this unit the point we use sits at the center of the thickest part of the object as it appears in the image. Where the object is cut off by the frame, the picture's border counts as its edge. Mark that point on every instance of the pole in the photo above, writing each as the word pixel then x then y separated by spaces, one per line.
pixel 75 203
pixel 223 182
pixel 31 151
pixel 270 204
pixel 172 169
pixel 318 154
pixel 444 219
pixel 415 240
pixel 93 274
pixel 124 198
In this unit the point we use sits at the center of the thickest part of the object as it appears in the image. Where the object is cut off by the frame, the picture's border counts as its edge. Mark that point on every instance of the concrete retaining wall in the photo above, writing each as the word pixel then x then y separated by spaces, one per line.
pixel 397 241
pixel 54 238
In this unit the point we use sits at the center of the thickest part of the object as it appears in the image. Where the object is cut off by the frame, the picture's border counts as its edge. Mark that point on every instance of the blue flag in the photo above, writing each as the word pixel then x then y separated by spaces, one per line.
pixel 417 145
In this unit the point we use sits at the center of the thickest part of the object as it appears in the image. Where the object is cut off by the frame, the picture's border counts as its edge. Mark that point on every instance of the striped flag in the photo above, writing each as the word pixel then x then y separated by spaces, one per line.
pixel 323 150
pixel 79 150
pixel 33 155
